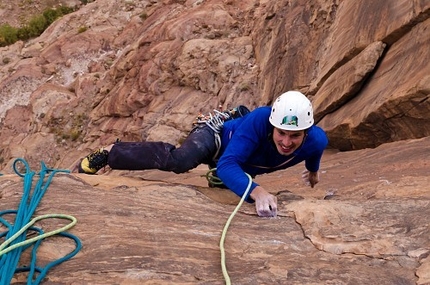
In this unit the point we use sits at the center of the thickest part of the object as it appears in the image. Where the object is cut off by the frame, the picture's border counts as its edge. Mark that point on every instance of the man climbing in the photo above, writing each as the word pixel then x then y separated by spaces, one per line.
pixel 237 143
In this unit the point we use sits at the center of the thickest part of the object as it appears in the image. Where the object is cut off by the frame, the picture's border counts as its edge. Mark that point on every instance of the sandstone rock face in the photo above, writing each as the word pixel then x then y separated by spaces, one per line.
pixel 394 99
pixel 144 69
pixel 140 70
pixel 149 227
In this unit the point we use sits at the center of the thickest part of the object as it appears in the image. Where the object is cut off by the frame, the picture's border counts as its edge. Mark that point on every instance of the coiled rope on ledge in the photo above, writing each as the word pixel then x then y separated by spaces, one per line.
pixel 15 236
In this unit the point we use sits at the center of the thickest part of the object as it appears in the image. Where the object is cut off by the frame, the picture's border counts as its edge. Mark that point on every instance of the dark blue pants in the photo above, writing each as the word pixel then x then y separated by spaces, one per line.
pixel 198 148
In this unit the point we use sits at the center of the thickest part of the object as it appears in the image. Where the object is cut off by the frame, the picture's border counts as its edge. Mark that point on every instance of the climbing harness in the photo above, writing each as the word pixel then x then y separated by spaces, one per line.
pixel 215 121
pixel 224 232
pixel 15 236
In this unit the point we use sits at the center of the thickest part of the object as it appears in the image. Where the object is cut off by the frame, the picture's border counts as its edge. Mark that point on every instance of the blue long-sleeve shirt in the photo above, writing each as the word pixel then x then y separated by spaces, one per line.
pixel 247 146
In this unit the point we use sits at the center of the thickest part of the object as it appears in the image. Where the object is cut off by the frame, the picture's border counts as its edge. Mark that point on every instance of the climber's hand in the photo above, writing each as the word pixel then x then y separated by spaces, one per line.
pixel 310 178
pixel 265 203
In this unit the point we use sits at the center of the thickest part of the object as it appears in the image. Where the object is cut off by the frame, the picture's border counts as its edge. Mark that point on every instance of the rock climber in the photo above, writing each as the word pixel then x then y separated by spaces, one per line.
pixel 233 143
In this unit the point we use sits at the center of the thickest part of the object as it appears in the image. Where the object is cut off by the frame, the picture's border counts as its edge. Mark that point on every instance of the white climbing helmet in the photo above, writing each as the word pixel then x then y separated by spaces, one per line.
pixel 292 111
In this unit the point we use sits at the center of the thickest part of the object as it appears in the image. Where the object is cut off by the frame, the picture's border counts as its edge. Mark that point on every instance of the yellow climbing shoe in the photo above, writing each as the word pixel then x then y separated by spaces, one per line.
pixel 94 162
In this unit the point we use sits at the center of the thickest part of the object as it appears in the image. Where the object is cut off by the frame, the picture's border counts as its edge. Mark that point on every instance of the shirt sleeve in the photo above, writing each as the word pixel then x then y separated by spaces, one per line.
pixel 242 145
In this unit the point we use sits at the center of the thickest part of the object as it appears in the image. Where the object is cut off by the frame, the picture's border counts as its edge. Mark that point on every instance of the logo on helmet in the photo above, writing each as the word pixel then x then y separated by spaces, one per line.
pixel 290 121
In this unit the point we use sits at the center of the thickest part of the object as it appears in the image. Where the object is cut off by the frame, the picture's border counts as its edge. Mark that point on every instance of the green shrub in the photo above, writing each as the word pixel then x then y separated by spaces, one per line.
pixel 8 35
pixel 34 28
pixel 51 15
pixel 37 25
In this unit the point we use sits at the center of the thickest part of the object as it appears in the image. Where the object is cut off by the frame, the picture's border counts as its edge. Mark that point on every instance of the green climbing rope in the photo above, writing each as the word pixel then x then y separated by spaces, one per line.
pixel 15 236
pixel 3 247
pixel 212 178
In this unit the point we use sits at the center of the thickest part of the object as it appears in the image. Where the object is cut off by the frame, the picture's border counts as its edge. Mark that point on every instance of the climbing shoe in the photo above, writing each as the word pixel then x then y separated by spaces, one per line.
pixel 94 162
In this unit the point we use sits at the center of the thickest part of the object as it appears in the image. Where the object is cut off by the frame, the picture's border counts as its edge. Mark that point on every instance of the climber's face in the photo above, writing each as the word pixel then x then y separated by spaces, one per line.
pixel 287 142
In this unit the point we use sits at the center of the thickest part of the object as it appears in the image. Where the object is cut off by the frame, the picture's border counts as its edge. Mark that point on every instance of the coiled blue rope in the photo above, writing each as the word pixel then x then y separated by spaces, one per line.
pixel 15 237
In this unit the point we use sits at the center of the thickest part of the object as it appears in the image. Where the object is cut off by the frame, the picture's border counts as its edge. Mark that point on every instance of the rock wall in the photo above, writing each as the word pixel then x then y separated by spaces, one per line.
pixel 144 69
pixel 147 227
